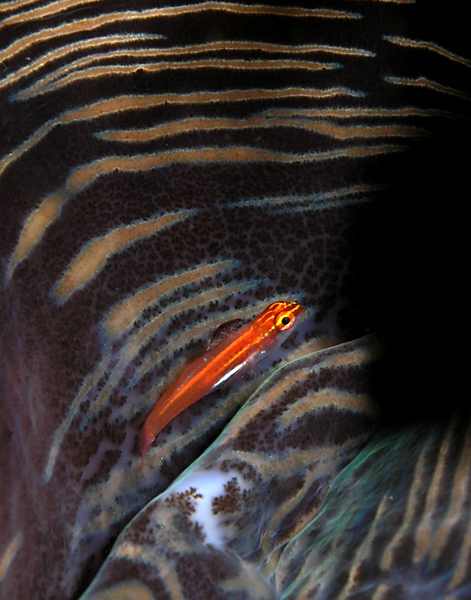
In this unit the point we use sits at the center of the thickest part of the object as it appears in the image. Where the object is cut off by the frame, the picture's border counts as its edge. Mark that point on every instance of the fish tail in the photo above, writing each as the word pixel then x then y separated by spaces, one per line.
pixel 146 437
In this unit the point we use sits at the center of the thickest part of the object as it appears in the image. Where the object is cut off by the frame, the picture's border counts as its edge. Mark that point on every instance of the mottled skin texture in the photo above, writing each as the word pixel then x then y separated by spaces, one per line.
pixel 359 237
pixel 305 414
pixel 423 506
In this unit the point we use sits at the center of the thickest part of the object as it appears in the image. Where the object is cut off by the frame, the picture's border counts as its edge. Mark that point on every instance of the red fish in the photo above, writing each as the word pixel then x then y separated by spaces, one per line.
pixel 236 351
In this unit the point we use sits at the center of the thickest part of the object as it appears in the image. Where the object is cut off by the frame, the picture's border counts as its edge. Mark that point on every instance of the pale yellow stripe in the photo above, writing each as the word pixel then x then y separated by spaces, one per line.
pixel 122 316
pixel 363 552
pixel 90 24
pixel 460 490
pixel 182 126
pixel 50 209
pixel 127 590
pixel 282 11
pixel 307 572
pixel 94 255
pixel 34 229
pixel 121 104
pixel 356 356
pixel 84 176
pixel 139 554
pixel 268 48
pixel 423 533
pixel 412 507
pixel 135 344
pixel 148 331
pixel 247 579
pixel 9 554
pixel 324 459
pixel 175 51
pixel 462 560
pixel 325 398
pixel 69 28
pixel 383 591
pixel 319 343
pixel 275 538
pixel 14 4
pixel 265 396
pixel 298 370
pixel 321 459
pixel 314 202
pixel 78 46
pixel 421 45
pixel 90 381
pixel 37 223
pixel 101 503
pixel 54 8
pixel 359 131
pixel 355 112
pixel 214 124
pixel 49 9
pixel 428 84
pixel 327 201
pixel 57 80
pixel 132 348
pixel 125 103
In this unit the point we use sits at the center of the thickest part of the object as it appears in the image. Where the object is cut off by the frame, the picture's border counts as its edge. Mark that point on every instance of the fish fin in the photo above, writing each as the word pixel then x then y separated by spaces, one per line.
pixel 223 331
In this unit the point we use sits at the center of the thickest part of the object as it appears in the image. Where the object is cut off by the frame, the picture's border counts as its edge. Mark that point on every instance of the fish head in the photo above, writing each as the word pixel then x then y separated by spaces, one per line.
pixel 277 322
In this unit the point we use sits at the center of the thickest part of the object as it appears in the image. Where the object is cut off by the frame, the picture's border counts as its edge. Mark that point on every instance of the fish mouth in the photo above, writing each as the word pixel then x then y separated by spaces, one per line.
pixel 297 309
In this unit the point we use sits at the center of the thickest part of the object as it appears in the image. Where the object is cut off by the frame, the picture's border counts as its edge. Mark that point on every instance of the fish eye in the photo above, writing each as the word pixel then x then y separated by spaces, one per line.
pixel 284 320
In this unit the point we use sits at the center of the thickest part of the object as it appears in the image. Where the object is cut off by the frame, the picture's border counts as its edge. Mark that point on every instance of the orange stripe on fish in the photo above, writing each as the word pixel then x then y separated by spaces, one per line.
pixel 237 350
